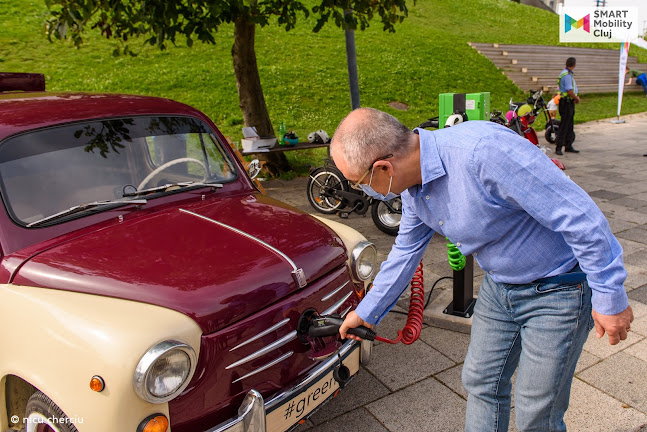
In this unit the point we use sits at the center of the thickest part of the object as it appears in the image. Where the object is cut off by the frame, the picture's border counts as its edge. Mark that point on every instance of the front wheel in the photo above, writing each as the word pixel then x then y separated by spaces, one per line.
pixel 387 214
pixel 43 415
pixel 551 130
pixel 321 182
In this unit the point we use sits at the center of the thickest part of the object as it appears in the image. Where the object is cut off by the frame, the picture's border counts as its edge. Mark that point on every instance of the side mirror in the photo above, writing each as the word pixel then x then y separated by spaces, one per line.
pixel 254 168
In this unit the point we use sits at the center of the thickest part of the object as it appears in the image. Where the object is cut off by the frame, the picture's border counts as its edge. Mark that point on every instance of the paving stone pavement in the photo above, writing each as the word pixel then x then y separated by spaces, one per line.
pixel 418 387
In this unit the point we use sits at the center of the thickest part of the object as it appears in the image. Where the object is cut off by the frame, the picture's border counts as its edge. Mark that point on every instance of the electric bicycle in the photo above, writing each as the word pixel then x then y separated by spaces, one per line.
pixel 329 192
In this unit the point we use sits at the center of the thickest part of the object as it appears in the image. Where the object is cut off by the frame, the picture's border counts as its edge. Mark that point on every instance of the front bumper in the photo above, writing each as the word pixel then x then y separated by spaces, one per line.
pixel 253 410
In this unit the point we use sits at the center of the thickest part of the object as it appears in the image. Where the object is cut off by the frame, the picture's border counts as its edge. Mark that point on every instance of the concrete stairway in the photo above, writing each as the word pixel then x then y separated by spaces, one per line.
pixel 534 67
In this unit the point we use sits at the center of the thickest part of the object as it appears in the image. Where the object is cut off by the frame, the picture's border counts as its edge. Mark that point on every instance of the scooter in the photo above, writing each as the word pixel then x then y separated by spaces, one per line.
pixel 539 105
pixel 329 192
pixel 520 118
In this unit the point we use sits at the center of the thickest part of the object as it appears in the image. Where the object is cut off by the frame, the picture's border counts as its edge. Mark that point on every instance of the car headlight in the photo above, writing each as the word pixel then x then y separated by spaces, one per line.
pixel 363 260
pixel 164 371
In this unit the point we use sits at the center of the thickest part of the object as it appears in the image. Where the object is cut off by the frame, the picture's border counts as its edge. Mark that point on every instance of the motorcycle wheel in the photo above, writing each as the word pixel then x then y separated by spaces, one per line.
pixel 386 220
pixel 551 131
pixel 320 179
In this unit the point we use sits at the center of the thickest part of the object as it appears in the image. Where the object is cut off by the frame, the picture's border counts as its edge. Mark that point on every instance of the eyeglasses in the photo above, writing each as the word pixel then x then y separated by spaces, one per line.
pixel 357 185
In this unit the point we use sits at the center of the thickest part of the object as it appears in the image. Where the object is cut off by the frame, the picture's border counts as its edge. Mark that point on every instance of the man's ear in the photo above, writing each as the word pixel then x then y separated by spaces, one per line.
pixel 384 165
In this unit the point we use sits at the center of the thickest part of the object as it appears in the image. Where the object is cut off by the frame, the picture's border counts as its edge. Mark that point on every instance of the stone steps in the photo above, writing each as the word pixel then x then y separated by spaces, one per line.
pixel 532 67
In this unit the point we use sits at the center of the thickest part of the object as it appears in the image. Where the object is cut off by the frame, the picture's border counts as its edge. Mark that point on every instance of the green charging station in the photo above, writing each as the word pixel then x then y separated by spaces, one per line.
pixel 475 105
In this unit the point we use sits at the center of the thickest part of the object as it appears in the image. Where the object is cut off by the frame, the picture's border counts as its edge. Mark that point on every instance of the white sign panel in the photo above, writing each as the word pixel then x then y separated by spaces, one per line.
pixel 598 24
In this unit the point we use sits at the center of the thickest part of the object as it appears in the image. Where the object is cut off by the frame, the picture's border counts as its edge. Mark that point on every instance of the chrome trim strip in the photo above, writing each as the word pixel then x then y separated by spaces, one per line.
pixel 262 368
pixel 249 236
pixel 261 334
pixel 329 295
pixel 285 339
pixel 343 314
pixel 332 361
pixel 337 305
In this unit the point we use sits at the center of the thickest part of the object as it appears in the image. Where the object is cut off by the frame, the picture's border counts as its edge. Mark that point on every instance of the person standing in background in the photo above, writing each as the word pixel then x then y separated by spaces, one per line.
pixel 553 106
pixel 567 101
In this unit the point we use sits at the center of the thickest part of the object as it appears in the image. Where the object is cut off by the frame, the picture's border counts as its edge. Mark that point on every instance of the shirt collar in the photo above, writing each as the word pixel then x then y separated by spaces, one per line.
pixel 431 166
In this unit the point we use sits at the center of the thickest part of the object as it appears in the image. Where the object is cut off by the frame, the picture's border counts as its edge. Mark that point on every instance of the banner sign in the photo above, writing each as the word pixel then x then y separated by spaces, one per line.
pixel 624 54
pixel 598 24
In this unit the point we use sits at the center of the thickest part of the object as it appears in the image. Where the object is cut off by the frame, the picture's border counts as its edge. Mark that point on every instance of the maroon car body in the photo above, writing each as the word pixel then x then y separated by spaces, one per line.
pixel 224 256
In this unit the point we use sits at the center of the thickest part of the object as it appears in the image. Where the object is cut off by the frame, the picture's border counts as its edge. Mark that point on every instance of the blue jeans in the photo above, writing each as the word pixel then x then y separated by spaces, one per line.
pixel 642 80
pixel 542 329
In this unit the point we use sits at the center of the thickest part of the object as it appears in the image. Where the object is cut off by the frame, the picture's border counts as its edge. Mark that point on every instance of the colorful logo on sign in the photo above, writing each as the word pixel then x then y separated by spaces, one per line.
pixel 570 23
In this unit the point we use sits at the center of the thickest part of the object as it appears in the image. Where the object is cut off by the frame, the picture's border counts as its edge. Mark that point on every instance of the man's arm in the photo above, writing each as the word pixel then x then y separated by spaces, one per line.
pixel 395 273
pixel 573 96
pixel 518 174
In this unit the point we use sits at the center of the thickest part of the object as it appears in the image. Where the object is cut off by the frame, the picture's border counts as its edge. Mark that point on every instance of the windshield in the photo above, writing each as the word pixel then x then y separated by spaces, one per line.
pixel 51 170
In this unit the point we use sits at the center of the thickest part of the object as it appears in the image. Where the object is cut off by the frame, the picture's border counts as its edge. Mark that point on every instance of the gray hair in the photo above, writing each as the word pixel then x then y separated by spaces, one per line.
pixel 369 135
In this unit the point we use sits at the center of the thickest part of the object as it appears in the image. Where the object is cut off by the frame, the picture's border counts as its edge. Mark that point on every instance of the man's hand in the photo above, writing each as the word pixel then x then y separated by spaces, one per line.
pixel 577 99
pixel 616 326
pixel 352 320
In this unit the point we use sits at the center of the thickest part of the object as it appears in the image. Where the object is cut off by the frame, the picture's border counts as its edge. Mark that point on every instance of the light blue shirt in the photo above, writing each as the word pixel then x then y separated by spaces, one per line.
pixel 567 82
pixel 498 197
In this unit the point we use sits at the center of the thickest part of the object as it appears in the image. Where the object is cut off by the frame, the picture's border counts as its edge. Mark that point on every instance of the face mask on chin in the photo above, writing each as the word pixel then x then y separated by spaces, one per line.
pixel 368 190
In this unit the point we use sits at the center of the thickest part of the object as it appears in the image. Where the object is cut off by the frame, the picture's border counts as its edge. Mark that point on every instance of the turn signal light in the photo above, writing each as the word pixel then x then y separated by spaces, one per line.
pixel 97 384
pixel 154 423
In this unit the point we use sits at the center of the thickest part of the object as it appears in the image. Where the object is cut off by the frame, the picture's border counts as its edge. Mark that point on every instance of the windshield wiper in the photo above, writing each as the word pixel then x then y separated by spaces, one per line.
pixel 185 185
pixel 82 207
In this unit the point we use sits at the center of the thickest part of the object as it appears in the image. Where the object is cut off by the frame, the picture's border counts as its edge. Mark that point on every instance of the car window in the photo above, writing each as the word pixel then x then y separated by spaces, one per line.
pixel 50 170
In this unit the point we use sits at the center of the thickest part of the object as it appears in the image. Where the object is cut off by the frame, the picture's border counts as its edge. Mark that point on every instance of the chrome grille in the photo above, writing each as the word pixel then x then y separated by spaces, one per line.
pixel 287 338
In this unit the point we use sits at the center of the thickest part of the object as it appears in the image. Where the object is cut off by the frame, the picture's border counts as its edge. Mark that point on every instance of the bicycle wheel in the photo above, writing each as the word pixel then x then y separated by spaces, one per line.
pixel 320 183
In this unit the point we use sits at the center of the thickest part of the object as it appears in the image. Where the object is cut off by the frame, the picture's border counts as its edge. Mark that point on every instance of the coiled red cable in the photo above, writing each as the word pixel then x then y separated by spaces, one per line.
pixel 411 331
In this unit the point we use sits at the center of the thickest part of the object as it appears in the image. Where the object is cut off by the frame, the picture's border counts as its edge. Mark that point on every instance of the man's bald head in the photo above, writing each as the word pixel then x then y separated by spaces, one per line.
pixel 367 134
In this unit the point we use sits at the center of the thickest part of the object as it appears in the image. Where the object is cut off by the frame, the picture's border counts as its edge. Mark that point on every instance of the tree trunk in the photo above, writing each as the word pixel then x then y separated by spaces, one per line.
pixel 250 92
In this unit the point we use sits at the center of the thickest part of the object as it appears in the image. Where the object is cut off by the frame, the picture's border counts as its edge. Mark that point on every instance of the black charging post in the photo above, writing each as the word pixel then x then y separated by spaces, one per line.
pixel 463 303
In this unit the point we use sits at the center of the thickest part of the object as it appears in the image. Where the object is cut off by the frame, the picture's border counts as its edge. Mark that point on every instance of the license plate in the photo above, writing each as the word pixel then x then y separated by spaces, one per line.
pixel 301 405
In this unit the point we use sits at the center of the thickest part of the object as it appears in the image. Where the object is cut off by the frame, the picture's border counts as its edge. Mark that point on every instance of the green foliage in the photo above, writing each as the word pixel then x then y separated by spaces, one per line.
pixel 303 73
pixel 159 21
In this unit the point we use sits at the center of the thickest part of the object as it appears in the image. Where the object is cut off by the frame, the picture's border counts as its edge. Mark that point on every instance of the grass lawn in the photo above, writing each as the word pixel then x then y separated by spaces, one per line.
pixel 304 74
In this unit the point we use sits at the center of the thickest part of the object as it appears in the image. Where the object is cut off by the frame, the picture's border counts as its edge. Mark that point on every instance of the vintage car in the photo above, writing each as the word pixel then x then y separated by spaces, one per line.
pixel 147 284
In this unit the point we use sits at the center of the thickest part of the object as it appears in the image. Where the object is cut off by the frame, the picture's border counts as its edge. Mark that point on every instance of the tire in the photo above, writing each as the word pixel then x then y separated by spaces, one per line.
pixel 385 220
pixel 319 179
pixel 551 131
pixel 41 410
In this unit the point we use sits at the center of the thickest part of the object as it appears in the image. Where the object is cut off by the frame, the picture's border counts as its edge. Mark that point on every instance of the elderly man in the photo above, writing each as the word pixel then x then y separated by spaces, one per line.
pixel 553 267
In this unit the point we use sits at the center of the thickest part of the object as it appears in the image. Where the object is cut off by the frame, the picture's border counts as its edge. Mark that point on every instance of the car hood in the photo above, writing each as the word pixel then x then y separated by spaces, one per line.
pixel 217 262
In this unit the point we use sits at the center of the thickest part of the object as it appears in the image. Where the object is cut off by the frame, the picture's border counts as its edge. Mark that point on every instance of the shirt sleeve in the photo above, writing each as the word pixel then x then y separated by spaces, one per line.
pixel 398 269
pixel 517 174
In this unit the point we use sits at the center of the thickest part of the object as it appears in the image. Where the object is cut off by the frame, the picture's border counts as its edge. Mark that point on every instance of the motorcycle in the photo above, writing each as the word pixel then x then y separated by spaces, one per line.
pixel 329 192
pixel 539 106
pixel 522 115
